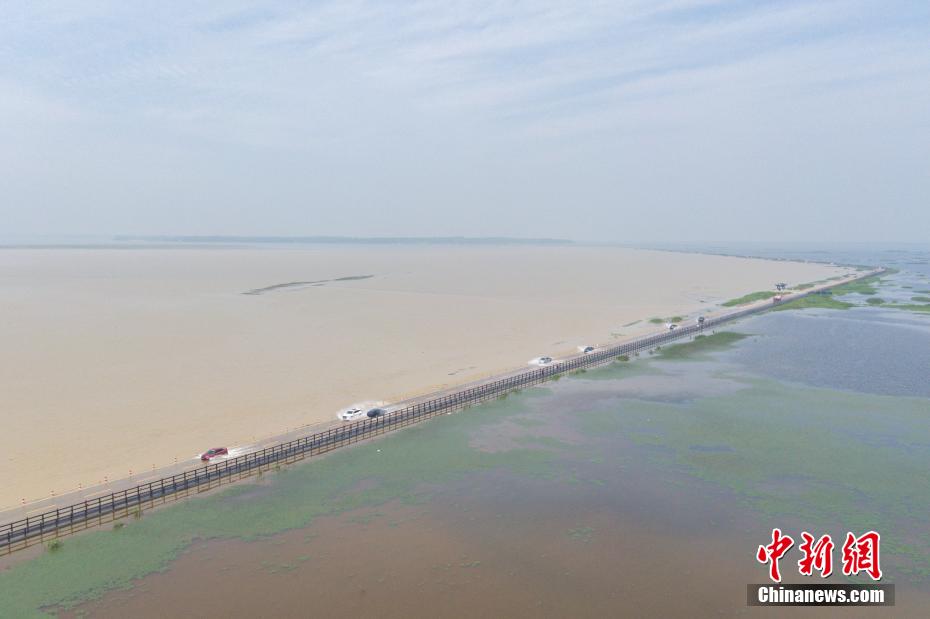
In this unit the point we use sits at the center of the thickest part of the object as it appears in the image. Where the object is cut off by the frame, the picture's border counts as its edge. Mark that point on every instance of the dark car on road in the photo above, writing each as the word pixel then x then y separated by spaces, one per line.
pixel 213 453
pixel 376 412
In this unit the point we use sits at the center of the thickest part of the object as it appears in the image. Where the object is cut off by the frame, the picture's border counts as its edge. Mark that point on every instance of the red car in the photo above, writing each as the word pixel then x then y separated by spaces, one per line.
pixel 212 453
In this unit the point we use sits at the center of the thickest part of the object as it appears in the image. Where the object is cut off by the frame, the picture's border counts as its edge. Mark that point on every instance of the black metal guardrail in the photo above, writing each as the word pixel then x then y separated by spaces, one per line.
pixel 91 512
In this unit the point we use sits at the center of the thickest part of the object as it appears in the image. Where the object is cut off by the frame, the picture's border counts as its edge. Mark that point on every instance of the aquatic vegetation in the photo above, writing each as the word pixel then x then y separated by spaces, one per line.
pixel 659 321
pixel 921 299
pixel 619 369
pixel 910 307
pixel 813 301
pixel 528 422
pixel 319 282
pixel 581 534
pixel 874 301
pixel 856 287
pixel 864 286
pixel 750 298
pixel 701 344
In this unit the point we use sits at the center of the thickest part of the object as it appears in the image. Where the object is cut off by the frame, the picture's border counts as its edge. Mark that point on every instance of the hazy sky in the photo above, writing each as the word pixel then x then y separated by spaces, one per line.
pixel 623 120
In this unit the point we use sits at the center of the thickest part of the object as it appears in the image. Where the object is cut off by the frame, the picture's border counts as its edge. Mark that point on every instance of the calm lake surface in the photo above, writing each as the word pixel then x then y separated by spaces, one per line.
pixel 641 489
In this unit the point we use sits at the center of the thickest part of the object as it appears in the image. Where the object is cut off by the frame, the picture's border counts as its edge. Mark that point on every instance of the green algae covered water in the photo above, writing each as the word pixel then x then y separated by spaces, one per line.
pixel 590 496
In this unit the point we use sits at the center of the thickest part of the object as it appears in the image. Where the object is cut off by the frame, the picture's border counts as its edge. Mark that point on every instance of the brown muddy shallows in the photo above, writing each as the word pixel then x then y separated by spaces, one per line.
pixel 461 560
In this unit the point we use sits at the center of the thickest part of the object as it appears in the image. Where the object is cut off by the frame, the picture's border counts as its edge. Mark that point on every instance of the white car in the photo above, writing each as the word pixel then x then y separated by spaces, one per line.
pixel 541 361
pixel 586 349
pixel 671 326
pixel 351 414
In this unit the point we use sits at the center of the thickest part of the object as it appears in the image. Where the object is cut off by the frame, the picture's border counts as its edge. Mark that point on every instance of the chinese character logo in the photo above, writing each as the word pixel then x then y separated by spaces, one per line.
pixel 772 553
pixel 817 556
pixel 860 554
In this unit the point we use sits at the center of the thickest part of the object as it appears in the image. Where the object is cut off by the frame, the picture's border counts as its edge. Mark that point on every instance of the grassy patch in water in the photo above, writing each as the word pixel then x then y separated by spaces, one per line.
pixel 814 301
pixel 659 321
pixel 874 301
pixel 921 299
pixel 581 534
pixel 856 287
pixel 701 344
pixel 396 466
pixel 620 369
pixel 924 309
pixel 750 298
pixel 866 286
